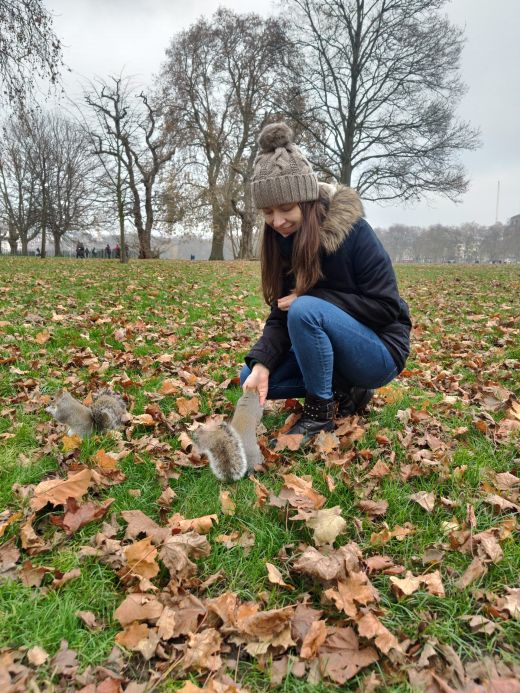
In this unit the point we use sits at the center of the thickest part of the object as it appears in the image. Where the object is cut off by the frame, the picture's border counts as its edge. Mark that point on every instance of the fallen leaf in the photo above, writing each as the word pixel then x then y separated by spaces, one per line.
pixel 226 503
pixel 275 576
pixel 314 639
pixel 70 443
pixel 327 525
pixel 373 508
pixel 140 557
pixel 37 656
pixel 56 491
pixel 425 499
pixel 187 407
pixel 341 657
pixel 474 571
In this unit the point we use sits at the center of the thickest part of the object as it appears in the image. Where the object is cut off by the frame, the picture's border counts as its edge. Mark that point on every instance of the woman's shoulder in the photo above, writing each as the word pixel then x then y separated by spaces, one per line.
pixel 344 217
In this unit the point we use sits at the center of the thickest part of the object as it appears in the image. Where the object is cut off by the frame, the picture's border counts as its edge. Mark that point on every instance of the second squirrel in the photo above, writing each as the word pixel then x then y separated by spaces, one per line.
pixel 108 412
pixel 232 449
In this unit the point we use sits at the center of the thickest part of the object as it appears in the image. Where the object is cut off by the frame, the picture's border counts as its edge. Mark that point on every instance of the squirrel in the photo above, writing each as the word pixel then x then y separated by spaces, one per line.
pixel 108 412
pixel 232 449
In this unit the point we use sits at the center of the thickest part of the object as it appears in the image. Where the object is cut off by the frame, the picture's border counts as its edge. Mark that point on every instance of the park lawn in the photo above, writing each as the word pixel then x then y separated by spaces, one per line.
pixel 437 451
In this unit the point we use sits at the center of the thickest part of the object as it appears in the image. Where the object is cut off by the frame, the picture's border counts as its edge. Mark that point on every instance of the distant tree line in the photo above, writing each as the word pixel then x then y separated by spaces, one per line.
pixel 370 88
pixel 466 243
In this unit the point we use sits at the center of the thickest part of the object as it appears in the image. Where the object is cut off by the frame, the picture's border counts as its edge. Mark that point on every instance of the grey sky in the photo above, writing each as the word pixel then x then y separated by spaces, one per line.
pixel 102 37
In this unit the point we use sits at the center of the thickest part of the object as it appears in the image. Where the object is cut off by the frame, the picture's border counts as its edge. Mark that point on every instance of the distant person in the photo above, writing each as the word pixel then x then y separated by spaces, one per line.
pixel 80 250
pixel 93 252
pixel 192 257
pixel 86 252
pixel 108 251
pixel 117 251
pixel 38 252
pixel 338 327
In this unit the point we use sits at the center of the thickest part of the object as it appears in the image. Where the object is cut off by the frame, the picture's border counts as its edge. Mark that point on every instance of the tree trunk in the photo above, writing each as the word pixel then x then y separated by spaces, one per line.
pixel 13 244
pixel 220 225
pixel 57 244
pixel 43 248
pixel 25 246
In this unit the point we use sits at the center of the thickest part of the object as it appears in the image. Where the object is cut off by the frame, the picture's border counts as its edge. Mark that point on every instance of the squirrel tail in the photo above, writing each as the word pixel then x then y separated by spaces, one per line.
pixel 225 452
pixel 108 411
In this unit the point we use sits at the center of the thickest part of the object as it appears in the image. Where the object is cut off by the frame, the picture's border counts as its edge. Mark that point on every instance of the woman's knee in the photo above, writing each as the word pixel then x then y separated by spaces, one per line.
pixel 301 308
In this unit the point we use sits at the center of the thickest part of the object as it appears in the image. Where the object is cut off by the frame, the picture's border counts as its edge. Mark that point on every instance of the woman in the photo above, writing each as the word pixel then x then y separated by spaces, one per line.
pixel 338 327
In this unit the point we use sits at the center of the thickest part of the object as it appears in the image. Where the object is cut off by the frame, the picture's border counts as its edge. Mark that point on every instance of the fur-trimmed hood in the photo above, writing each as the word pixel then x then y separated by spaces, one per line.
pixel 345 210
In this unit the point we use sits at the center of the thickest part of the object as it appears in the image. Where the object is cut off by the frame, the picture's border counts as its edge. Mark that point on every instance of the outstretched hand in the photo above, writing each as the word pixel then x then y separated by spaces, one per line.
pixel 258 381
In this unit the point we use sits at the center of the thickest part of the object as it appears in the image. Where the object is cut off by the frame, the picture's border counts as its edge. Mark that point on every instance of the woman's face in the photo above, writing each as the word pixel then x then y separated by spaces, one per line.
pixel 285 219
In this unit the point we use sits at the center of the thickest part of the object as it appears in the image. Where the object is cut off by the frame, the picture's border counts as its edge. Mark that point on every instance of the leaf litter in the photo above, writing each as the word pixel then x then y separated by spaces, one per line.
pixel 336 626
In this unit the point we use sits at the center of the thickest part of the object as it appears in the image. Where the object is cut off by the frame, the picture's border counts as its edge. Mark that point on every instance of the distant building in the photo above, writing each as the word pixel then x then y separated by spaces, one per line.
pixel 515 221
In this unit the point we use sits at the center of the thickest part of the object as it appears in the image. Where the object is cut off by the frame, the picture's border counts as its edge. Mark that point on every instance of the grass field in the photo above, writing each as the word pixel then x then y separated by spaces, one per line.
pixel 425 592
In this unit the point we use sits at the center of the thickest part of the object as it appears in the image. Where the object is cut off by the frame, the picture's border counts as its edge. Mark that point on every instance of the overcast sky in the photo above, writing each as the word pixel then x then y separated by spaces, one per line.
pixel 103 37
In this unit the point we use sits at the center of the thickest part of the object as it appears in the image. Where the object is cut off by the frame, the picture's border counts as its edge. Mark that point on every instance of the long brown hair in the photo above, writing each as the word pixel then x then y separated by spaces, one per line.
pixel 305 264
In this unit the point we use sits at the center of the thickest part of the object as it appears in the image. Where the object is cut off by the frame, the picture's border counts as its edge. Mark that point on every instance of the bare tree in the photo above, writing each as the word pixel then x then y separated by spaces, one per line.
pixel 381 83
pixel 18 187
pixel 131 135
pixel 217 79
pixel 69 188
pixel 29 48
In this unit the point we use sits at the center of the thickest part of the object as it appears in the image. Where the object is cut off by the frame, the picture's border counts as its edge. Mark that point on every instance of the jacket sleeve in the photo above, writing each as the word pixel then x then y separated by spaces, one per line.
pixel 376 301
pixel 274 344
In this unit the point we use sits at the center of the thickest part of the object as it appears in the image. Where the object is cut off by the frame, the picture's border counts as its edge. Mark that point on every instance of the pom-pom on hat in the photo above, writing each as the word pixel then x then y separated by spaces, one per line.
pixel 281 173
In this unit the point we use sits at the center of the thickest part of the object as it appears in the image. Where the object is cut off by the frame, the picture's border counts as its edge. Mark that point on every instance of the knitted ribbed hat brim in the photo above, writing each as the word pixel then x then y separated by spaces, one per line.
pixel 281 190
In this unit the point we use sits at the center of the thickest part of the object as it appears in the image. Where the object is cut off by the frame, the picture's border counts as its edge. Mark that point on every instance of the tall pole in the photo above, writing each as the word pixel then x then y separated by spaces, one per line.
pixel 498 200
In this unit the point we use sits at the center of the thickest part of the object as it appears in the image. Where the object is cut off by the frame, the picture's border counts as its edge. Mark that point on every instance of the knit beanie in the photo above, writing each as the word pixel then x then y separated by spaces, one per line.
pixel 281 173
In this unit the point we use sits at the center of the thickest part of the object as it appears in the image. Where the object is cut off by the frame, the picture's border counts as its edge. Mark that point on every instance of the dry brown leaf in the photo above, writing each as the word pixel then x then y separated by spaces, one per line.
pixel 77 516
pixel 56 491
pixel 379 470
pixel 405 586
pixel 355 590
pixel 275 576
pixel 203 649
pixel 64 578
pixel 373 508
pixel 369 626
pixel 300 494
pixel 132 635
pixel 138 607
pixel 286 441
pixel 500 504
pixel 226 503
pixel 341 657
pixel 399 532
pixel 201 525
pixel 187 407
pixel 327 525
pixel 425 499
pixel 474 571
pixel 314 639
pixel 140 557
pixel 37 656
pixel 262 494
pixel 89 619
pixel 143 420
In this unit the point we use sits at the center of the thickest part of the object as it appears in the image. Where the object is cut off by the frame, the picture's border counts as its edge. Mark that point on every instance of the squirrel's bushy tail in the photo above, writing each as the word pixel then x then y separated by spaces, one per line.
pixel 108 411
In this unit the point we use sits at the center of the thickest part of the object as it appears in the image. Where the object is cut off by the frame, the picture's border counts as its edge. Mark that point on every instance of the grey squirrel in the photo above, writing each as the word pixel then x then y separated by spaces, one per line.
pixel 232 449
pixel 108 412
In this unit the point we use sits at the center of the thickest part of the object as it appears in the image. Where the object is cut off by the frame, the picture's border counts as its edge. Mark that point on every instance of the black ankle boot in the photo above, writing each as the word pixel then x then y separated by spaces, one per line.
pixel 318 415
pixel 352 401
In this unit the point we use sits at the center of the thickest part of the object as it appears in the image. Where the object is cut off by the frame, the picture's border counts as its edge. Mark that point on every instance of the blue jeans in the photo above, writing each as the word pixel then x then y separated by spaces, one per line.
pixel 328 343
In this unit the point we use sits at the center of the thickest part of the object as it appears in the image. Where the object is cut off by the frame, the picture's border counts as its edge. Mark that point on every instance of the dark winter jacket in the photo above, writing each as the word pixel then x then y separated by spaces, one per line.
pixel 357 277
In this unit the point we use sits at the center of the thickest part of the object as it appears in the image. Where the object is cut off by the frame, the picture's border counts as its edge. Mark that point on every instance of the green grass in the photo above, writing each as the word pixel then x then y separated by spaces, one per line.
pixel 113 325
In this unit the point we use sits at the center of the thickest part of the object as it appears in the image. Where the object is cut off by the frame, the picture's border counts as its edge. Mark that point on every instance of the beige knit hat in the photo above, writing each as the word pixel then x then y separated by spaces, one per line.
pixel 281 173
